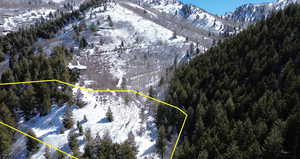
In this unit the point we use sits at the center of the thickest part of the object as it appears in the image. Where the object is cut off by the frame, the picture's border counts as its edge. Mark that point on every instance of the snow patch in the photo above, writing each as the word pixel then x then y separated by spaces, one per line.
pixel 78 66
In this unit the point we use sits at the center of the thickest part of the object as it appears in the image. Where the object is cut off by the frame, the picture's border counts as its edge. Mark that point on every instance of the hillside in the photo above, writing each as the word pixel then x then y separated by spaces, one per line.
pixel 250 13
pixel 242 96
pixel 193 15
pixel 16 14
pixel 108 45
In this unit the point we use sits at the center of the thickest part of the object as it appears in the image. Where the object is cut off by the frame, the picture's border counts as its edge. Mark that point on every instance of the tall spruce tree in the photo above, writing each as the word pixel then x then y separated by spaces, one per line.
pixel 32 145
pixel 5 142
pixel 109 115
pixel 68 120
pixel 2 56
pixel 46 101
pixel 73 143
pixel 6 115
pixel 82 43
pixel 161 141
pixel 128 149
pixel 29 101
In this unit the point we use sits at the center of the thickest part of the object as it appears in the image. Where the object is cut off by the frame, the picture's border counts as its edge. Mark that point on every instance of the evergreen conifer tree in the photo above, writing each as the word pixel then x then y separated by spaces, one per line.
pixel 110 22
pixel 109 115
pixel 85 119
pixel 128 149
pixel 32 145
pixel 5 142
pixel 6 115
pixel 7 76
pixel 2 56
pixel 83 43
pixel 29 101
pixel 68 119
pixel 161 141
pixel 73 143
pixel 80 129
pixel 46 103
pixel 88 135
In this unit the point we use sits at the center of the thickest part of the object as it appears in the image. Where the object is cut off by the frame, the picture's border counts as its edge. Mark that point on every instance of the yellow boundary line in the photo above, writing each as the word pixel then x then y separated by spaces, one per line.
pixel 95 91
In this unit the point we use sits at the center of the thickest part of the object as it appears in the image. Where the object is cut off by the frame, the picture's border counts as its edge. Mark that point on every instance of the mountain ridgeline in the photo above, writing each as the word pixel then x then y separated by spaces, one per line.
pixel 249 13
pixel 242 96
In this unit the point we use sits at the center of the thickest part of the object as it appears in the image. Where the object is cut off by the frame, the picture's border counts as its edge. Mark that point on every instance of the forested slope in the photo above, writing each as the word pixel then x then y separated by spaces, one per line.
pixel 242 96
pixel 29 63
pixel 24 105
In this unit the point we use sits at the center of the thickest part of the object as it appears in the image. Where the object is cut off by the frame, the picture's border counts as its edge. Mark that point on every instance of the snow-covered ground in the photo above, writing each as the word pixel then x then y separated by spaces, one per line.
pixel 15 14
pixel 78 66
pixel 12 23
pixel 126 120
pixel 132 53
pixel 149 31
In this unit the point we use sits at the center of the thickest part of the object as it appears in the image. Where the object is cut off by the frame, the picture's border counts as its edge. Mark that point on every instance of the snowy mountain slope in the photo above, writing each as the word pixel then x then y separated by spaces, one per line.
pixel 128 52
pixel 194 15
pixel 13 18
pixel 35 2
pixel 252 12
pixel 135 49
pixel 178 25
pixel 152 48
pixel 141 39
pixel 12 23
pixel 22 13
pixel 126 120
pixel 228 24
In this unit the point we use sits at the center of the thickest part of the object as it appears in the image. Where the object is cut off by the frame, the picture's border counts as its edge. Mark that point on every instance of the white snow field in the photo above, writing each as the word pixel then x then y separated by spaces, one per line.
pixel 12 23
pixel 15 14
pixel 126 120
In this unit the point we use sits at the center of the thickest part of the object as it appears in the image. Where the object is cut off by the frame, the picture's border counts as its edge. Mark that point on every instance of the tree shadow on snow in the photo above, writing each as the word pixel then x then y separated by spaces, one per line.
pixel 55 132
pixel 103 121
pixel 172 38
pixel 149 150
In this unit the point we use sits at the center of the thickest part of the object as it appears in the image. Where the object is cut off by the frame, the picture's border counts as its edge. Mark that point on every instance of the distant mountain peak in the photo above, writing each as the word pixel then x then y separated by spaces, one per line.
pixel 250 13
pixel 194 15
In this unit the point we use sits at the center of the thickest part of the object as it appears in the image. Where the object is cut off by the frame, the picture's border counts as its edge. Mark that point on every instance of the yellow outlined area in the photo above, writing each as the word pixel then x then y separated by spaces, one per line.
pixel 95 91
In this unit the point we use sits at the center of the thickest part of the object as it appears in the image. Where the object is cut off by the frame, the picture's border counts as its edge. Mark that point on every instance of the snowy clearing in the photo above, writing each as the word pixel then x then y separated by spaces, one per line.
pixel 126 120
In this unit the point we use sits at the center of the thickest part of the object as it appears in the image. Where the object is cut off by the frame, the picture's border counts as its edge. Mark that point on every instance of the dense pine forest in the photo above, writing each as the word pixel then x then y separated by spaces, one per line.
pixel 242 96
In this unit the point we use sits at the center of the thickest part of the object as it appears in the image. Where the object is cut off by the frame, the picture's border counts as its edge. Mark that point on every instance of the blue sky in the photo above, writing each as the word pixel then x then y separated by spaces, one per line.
pixel 221 6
